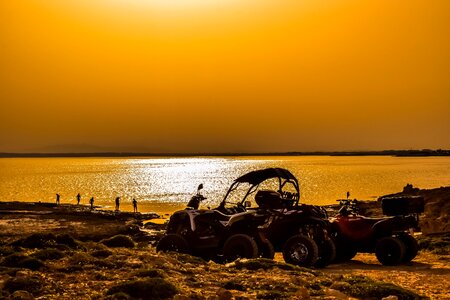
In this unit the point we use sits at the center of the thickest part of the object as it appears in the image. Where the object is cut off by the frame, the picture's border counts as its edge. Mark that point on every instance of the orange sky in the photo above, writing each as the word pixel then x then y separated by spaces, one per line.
pixel 219 76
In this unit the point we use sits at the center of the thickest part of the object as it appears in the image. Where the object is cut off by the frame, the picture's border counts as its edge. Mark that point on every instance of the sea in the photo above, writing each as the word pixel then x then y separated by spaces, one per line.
pixel 165 184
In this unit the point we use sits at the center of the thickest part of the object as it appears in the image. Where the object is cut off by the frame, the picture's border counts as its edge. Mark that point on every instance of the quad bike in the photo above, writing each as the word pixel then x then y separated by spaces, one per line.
pixel 299 231
pixel 388 237
pixel 213 235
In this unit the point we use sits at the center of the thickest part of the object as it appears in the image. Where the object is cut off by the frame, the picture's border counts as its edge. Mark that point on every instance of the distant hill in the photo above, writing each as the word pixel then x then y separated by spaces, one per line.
pixel 94 151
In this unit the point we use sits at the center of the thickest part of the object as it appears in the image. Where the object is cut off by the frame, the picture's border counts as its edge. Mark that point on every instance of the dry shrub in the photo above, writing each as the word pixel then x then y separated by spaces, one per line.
pixel 101 253
pixel 234 285
pixel 266 264
pixel 48 254
pixel 80 259
pixel 119 241
pixel 19 260
pixel 365 288
pixel 152 273
pixel 47 240
pixel 6 250
pixel 29 284
pixel 13 260
pixel 272 295
pixel 119 296
pixel 31 263
pixel 158 288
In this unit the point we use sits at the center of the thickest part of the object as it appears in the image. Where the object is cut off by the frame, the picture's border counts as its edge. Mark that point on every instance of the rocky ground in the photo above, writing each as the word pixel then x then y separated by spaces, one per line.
pixel 70 252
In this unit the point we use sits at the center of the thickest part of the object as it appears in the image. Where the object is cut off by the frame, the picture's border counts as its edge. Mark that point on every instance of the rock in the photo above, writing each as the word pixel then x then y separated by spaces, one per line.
pixel 391 297
pixel 21 295
pixel 302 293
pixel 335 294
pixel 224 294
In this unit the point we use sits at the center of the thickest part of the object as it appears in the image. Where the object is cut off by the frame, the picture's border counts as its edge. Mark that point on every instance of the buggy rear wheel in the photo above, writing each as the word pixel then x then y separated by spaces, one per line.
pixel 173 242
pixel 327 253
pixel 266 250
pixel 239 246
pixel 300 250
pixel 412 248
pixel 390 251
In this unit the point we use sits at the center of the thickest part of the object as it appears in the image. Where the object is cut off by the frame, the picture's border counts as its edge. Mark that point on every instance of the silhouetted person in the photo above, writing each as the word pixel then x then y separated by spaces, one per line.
pixel 57 199
pixel 196 199
pixel 134 205
pixel 348 194
pixel 91 201
pixel 117 203
pixel 78 198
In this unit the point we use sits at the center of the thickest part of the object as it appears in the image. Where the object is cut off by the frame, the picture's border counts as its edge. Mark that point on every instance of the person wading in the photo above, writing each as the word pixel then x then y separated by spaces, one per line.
pixel 135 205
pixel 117 203
pixel 78 199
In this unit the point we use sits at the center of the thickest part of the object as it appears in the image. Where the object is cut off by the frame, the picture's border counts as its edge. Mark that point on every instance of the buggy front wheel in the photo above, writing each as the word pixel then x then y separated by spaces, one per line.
pixel 172 242
pixel 239 246
pixel 300 250
pixel 266 250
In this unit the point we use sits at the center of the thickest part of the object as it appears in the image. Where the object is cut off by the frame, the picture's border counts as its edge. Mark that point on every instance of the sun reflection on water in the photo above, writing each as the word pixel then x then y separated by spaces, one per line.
pixel 168 183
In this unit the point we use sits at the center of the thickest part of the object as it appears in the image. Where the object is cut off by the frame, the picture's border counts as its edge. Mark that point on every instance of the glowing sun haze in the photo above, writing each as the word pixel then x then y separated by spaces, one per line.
pixel 224 76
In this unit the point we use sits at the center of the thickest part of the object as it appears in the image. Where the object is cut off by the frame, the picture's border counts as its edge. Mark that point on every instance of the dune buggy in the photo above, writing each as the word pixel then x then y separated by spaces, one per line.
pixel 388 237
pixel 297 230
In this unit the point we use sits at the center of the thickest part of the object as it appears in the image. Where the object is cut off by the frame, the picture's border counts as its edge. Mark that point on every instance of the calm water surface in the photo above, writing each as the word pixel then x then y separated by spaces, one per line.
pixel 166 184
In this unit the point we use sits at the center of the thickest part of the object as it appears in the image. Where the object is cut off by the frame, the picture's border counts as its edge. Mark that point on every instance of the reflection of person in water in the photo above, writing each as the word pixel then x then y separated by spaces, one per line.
pixel 78 198
pixel 92 202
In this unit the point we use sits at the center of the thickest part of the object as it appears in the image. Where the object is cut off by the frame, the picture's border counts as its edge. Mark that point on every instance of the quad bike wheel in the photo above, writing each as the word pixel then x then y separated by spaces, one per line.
pixel 327 253
pixel 300 250
pixel 172 242
pixel 239 246
pixel 412 247
pixel 266 250
pixel 390 251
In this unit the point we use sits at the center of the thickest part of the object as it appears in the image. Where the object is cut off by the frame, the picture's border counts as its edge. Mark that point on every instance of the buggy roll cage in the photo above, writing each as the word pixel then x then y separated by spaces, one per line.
pixel 254 178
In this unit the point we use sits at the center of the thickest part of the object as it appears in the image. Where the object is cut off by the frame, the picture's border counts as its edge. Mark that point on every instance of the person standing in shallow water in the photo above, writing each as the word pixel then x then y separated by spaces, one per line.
pixel 117 203
pixel 91 201
pixel 78 199
pixel 135 205
pixel 57 199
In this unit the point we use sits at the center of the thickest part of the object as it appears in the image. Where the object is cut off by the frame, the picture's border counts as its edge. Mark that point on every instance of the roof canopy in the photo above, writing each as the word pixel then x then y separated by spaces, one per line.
pixel 256 177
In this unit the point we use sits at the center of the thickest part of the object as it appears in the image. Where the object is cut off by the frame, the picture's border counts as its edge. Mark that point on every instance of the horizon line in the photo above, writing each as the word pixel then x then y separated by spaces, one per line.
pixel 421 152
